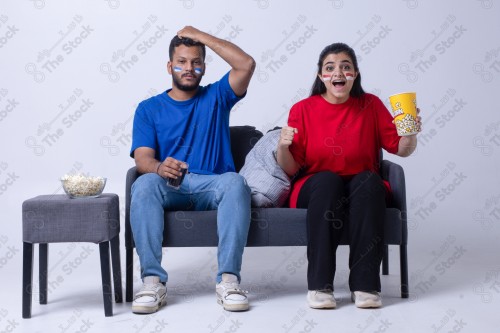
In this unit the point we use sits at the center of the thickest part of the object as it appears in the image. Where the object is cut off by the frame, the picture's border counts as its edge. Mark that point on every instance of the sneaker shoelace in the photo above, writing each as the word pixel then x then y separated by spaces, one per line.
pixel 148 289
pixel 149 286
pixel 231 288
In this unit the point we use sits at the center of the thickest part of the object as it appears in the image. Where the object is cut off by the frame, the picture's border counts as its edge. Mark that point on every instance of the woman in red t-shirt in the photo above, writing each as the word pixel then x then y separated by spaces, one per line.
pixel 332 145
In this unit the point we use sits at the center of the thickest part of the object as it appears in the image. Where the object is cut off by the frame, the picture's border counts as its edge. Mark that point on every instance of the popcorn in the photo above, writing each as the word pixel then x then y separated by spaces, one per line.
pixel 82 186
pixel 406 125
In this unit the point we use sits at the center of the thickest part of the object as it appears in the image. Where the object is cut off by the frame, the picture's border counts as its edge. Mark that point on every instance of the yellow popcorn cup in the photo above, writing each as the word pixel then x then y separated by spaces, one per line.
pixel 404 111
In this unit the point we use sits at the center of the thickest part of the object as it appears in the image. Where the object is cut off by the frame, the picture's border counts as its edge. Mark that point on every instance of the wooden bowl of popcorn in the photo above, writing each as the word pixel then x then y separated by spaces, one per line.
pixel 81 186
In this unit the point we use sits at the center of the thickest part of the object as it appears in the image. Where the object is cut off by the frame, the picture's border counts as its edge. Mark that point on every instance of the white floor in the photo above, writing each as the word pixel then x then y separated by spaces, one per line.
pixel 452 290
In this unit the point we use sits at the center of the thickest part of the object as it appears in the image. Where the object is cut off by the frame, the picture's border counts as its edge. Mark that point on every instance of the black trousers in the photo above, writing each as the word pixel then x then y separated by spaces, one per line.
pixel 334 206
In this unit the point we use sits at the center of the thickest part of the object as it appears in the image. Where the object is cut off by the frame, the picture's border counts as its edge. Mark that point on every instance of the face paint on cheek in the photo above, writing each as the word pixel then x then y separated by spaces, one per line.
pixel 198 71
pixel 349 76
pixel 177 69
pixel 327 78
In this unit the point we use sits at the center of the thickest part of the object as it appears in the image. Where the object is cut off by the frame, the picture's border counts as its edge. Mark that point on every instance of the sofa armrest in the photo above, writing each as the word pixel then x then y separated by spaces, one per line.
pixel 132 175
pixel 394 174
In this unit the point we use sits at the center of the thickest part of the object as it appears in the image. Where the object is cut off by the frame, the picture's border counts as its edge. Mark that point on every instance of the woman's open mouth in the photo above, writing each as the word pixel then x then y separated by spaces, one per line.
pixel 338 83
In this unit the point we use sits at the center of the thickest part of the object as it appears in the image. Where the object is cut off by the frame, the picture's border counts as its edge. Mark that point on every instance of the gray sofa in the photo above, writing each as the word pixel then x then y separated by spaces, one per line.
pixel 269 226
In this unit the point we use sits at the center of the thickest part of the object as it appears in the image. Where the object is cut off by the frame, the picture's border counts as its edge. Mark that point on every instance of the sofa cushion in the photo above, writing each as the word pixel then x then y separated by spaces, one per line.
pixel 268 227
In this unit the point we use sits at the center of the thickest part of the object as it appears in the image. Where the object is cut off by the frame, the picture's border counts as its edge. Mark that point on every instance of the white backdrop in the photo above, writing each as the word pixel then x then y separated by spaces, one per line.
pixel 72 73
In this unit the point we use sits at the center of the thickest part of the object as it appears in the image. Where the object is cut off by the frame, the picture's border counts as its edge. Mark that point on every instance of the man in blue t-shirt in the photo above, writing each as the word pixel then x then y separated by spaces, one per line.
pixel 187 127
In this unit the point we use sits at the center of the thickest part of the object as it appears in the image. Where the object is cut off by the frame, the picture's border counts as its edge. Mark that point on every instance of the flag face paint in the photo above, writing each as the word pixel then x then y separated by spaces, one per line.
pixel 348 77
pixel 179 69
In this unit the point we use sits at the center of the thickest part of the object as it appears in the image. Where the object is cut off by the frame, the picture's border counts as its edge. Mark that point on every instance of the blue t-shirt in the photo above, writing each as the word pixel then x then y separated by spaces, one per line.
pixel 195 131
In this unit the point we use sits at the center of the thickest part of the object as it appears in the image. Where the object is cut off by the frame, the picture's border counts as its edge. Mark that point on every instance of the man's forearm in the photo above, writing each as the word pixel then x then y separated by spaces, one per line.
pixel 147 165
pixel 229 52
pixel 145 162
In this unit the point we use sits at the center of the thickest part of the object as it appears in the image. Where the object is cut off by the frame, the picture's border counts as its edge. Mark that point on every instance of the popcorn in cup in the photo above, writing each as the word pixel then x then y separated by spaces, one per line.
pixel 404 111
pixel 176 183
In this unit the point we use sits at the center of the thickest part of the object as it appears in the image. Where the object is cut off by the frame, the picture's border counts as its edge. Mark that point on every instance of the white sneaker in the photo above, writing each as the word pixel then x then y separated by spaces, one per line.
pixel 229 294
pixel 151 297
pixel 321 299
pixel 366 299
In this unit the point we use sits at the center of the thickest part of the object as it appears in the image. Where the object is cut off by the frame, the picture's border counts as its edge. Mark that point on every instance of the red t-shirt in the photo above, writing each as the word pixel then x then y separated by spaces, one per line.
pixel 343 138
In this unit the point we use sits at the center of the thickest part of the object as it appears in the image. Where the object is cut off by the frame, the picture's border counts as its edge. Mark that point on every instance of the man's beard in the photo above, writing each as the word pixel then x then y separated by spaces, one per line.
pixel 185 87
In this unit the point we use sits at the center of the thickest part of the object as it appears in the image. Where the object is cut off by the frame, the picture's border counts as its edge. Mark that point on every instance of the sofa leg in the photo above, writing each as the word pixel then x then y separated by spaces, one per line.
pixel 385 260
pixel 117 273
pixel 129 274
pixel 403 257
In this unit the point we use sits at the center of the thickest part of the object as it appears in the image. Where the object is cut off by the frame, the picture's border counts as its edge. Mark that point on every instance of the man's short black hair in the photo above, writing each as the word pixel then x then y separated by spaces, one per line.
pixel 176 41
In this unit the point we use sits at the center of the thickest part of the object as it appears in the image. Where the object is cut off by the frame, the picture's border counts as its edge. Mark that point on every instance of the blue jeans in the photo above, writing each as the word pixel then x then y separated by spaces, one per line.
pixel 228 193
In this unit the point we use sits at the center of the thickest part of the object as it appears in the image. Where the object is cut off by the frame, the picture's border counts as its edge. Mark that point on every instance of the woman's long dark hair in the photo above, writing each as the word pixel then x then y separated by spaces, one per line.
pixel 319 87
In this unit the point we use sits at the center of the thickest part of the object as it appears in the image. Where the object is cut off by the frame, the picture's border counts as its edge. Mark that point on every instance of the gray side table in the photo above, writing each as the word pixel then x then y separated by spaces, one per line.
pixel 56 219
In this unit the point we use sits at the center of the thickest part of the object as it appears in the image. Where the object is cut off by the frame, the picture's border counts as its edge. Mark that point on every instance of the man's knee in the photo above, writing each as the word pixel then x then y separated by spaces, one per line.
pixel 145 184
pixel 232 181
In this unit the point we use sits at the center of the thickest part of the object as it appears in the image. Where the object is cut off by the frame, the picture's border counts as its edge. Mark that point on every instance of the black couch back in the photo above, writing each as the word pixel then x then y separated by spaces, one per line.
pixel 243 138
